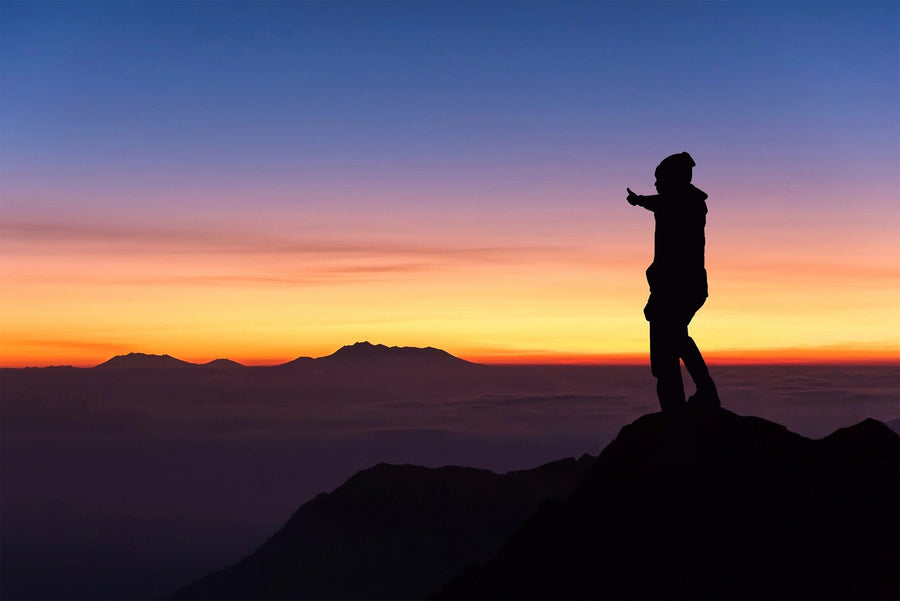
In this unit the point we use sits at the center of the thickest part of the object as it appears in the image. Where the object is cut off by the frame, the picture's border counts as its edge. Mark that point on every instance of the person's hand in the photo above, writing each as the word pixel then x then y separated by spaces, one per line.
pixel 632 197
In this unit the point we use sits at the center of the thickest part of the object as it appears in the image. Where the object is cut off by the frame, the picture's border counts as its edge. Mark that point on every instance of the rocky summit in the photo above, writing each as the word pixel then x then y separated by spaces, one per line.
pixel 712 505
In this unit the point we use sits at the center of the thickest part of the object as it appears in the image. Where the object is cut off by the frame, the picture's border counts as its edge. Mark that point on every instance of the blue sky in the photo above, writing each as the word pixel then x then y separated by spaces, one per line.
pixel 472 125
pixel 443 86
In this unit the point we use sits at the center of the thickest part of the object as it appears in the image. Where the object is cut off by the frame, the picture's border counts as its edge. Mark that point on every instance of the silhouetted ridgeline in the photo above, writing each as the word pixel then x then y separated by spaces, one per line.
pixel 358 355
pixel 720 506
pixel 391 532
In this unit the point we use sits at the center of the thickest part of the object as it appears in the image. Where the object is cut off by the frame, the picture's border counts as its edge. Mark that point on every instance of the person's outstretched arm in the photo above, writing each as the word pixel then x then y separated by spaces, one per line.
pixel 651 203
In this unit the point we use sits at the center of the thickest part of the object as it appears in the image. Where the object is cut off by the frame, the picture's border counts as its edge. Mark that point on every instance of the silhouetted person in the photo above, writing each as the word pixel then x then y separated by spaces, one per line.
pixel 677 279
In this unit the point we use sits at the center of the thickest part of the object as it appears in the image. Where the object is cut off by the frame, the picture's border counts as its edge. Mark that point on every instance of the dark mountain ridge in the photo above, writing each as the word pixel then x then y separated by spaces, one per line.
pixel 711 506
pixel 391 532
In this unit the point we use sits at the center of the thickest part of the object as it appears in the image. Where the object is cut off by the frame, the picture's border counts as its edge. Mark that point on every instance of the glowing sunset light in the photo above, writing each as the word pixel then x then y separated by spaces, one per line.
pixel 261 181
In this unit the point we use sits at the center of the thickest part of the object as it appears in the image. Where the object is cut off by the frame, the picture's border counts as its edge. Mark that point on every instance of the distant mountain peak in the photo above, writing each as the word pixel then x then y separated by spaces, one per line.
pixel 134 360
pixel 365 347
pixel 361 353
pixel 365 344
pixel 222 363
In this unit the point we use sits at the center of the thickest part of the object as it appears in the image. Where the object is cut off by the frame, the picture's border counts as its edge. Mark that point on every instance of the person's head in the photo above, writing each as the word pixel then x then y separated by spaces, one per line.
pixel 674 172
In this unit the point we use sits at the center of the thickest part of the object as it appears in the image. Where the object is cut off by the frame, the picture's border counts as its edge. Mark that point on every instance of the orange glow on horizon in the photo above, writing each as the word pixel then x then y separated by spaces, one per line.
pixel 537 286
pixel 835 355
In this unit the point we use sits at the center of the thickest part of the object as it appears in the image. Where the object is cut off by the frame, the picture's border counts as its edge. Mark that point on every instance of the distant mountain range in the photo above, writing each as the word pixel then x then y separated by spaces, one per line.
pixel 360 354
pixel 712 506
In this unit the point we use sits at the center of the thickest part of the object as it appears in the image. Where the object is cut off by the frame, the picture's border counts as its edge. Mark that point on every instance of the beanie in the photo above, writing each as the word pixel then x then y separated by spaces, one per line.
pixel 676 168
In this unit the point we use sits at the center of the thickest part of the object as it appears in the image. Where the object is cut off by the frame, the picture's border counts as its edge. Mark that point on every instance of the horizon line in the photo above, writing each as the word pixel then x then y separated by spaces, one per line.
pixel 730 357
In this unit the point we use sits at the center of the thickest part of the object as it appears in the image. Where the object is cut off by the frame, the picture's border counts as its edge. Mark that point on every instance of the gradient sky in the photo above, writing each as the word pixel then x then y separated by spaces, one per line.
pixel 272 179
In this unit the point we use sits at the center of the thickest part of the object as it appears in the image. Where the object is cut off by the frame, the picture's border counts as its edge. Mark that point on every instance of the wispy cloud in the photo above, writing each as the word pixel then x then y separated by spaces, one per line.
pixel 846 269
pixel 309 276
pixel 130 255
pixel 47 237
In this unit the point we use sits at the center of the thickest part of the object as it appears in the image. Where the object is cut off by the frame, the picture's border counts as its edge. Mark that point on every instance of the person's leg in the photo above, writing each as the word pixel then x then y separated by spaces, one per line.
pixel 706 394
pixel 665 365
pixel 695 364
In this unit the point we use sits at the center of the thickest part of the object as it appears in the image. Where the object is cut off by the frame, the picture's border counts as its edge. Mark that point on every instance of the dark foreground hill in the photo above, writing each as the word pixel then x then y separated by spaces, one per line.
pixel 391 532
pixel 711 506
pixel 720 507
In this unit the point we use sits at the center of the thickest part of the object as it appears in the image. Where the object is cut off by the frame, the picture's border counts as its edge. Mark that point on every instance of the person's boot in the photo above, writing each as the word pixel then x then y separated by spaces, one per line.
pixel 706 397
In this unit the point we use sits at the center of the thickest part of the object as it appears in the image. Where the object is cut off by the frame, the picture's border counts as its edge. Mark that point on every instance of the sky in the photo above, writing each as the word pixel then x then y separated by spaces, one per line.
pixel 267 180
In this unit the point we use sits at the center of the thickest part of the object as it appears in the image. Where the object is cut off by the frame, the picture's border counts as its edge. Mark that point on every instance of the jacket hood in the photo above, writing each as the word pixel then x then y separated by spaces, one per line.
pixel 696 193
pixel 695 197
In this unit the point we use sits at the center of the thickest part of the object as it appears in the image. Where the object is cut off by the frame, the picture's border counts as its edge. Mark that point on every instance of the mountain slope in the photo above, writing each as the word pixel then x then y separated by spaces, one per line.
pixel 717 506
pixel 391 532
